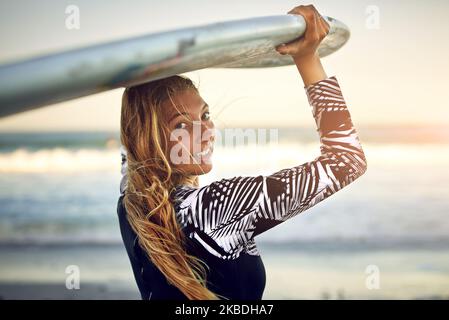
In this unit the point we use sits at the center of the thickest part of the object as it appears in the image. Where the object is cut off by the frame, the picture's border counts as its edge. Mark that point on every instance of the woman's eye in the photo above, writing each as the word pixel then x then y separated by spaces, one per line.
pixel 181 125
pixel 206 115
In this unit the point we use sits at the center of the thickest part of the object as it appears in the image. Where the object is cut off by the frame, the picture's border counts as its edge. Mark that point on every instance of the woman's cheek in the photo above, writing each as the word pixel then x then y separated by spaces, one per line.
pixel 211 129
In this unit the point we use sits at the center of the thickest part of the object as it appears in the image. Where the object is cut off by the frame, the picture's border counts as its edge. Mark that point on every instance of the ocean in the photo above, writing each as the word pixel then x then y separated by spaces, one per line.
pixel 59 191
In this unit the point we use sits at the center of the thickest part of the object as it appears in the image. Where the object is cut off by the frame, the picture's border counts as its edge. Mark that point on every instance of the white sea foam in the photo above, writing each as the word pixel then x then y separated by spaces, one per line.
pixel 237 159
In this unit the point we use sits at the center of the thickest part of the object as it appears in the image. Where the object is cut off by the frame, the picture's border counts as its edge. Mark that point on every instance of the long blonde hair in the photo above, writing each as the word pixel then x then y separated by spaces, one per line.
pixel 151 178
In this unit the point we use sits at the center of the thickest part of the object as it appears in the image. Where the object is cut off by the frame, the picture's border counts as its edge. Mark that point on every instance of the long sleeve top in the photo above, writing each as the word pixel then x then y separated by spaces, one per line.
pixel 222 219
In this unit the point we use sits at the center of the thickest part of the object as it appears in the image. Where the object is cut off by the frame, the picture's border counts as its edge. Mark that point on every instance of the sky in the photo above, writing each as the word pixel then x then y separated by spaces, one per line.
pixel 393 73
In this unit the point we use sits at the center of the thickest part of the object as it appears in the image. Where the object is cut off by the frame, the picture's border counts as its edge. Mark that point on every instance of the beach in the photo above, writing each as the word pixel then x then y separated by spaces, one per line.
pixel 385 236
pixel 313 273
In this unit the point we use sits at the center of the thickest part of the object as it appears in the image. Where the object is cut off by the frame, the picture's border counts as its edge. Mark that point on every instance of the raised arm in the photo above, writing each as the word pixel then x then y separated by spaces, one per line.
pixel 227 214
pixel 233 211
pixel 291 191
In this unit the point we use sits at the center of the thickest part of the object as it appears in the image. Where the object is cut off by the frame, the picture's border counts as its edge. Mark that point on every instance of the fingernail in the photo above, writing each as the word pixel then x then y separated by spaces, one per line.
pixel 280 47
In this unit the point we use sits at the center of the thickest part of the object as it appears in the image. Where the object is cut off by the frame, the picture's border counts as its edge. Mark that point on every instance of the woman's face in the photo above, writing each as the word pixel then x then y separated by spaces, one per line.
pixel 191 135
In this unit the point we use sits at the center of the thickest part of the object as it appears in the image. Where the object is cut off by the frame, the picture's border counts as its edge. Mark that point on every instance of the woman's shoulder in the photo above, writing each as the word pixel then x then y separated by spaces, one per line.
pixel 180 192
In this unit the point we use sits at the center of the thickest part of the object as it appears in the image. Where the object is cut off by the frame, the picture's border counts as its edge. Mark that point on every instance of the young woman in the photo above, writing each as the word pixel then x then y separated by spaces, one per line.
pixel 191 242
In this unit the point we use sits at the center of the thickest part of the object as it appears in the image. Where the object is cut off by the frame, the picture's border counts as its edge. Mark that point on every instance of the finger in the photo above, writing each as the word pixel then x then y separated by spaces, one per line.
pixel 313 29
pixel 290 47
pixel 324 27
pixel 326 23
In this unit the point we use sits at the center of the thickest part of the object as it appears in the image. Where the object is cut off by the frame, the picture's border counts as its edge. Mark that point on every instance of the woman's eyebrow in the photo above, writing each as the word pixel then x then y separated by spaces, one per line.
pixel 205 105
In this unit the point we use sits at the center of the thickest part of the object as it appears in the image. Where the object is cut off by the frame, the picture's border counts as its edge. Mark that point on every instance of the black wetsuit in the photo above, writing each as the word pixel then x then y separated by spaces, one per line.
pixel 222 219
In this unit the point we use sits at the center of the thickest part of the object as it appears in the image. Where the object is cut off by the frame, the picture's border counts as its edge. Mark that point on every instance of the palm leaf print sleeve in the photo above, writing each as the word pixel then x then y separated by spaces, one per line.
pixel 289 192
pixel 227 214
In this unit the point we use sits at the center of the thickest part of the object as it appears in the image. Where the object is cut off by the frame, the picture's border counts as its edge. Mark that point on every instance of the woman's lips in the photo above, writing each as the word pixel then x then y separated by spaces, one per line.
pixel 206 153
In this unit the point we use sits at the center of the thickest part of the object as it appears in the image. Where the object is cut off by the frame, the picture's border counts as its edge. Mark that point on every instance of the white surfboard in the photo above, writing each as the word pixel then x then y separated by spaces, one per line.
pixel 245 43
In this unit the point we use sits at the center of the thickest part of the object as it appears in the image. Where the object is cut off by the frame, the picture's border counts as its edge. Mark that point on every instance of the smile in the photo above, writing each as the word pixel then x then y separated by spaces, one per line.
pixel 205 153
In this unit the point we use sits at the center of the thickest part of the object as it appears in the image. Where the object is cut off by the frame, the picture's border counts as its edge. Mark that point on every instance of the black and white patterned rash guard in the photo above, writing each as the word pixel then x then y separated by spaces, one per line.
pixel 223 218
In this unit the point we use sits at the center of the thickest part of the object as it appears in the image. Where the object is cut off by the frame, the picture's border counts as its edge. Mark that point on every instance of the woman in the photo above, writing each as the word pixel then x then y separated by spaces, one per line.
pixel 191 242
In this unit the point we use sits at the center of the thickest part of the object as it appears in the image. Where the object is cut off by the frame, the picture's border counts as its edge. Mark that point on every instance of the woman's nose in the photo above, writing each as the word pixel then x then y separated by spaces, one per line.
pixel 207 134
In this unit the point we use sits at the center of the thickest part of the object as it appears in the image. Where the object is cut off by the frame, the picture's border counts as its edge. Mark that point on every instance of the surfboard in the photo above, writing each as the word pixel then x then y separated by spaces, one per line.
pixel 244 43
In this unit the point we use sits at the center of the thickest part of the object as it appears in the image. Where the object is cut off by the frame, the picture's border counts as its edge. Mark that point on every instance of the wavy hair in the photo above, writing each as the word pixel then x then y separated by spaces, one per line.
pixel 151 178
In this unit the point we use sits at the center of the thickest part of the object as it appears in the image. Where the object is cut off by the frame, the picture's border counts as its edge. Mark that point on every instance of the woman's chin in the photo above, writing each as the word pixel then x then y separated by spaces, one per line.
pixel 202 166
pixel 205 168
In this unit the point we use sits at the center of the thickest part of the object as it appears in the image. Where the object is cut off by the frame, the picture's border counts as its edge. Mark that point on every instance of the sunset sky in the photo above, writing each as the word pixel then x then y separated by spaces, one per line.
pixel 394 75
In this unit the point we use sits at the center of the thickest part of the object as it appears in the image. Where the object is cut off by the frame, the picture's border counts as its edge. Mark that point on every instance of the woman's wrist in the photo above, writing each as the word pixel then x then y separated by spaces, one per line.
pixel 310 68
